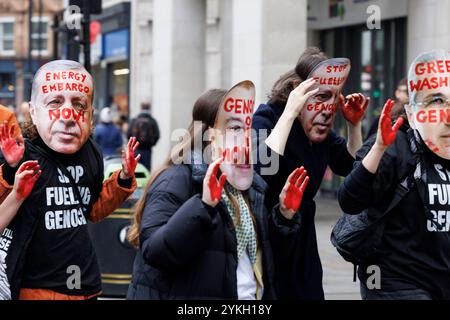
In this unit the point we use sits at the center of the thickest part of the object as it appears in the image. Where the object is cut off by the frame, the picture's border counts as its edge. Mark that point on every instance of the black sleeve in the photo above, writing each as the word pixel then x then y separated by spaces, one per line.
pixel 282 230
pixel 125 183
pixel 284 238
pixel 341 161
pixel 173 231
pixel 362 189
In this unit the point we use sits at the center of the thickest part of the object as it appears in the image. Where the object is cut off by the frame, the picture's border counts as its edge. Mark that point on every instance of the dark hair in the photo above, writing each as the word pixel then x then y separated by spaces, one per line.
pixel 283 86
pixel 205 110
pixel 145 106
pixel 309 59
pixel 403 82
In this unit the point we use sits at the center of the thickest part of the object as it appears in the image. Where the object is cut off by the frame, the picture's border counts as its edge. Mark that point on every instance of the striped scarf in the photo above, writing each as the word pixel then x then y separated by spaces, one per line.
pixel 245 230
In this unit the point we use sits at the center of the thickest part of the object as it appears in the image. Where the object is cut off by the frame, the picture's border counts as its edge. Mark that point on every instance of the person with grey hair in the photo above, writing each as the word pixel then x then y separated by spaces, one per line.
pixel 401 181
pixel 49 254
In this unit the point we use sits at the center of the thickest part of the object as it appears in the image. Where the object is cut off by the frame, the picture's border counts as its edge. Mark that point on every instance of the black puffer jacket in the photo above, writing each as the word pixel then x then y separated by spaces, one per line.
pixel 188 249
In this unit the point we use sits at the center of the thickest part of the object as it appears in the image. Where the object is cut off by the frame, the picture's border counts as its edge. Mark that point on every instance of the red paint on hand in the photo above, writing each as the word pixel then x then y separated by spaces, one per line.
pixel 215 186
pixel 25 179
pixel 353 110
pixel 388 132
pixel 129 161
pixel 12 150
pixel 297 185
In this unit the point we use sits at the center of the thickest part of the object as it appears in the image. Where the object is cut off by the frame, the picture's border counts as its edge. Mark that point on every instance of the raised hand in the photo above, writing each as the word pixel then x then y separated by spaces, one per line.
pixel 386 132
pixel 299 96
pixel 26 176
pixel 12 150
pixel 129 161
pixel 292 193
pixel 212 188
pixel 353 110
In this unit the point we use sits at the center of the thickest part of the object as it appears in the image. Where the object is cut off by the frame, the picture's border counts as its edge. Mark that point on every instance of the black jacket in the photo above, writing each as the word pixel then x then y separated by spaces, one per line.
pixel 188 249
pixel 301 279
pixel 410 256
pixel 23 227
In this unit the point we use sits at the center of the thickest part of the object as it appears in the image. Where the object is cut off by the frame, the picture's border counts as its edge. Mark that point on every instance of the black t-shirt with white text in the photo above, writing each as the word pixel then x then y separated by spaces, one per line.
pixel 60 256
pixel 415 252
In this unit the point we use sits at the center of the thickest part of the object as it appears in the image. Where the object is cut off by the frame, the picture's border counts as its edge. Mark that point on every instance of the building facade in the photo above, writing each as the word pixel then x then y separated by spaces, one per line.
pixel 16 68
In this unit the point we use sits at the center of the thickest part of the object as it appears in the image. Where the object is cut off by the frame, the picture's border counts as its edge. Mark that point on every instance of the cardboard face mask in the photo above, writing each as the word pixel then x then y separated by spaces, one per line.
pixel 232 134
pixel 62 109
pixel 317 116
pixel 429 92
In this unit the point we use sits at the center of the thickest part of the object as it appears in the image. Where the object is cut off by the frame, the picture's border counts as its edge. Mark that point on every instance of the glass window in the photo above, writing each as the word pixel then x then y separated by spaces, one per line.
pixel 39 35
pixel 7 38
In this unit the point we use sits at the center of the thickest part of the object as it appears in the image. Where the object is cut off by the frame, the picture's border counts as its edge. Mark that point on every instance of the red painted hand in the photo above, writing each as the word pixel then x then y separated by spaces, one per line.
pixel 12 150
pixel 26 176
pixel 212 188
pixel 386 132
pixel 129 161
pixel 353 110
pixel 292 193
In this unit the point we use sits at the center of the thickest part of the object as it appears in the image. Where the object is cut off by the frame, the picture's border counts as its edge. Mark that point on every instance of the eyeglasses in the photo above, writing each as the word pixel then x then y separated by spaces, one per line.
pixel 437 103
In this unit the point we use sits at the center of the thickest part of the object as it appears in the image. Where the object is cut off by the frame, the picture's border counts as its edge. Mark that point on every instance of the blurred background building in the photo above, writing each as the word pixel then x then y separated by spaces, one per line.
pixel 168 52
pixel 23 49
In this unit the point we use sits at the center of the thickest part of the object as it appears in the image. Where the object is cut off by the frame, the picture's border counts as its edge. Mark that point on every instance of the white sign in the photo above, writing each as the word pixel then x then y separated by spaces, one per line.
pixel 327 14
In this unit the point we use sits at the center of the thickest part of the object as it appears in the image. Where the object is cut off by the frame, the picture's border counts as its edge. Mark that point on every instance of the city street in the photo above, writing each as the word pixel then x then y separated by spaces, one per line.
pixel 337 273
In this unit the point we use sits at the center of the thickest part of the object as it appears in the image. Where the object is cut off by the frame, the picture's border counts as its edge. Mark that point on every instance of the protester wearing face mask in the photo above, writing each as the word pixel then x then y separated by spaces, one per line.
pixel 298 119
pixel 202 230
pixel 48 236
pixel 413 254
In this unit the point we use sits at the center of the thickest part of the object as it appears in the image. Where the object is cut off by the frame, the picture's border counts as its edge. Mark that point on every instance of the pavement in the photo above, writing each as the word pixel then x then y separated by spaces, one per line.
pixel 337 273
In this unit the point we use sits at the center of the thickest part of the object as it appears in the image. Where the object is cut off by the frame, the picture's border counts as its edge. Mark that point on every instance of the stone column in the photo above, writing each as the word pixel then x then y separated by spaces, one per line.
pixel 178 66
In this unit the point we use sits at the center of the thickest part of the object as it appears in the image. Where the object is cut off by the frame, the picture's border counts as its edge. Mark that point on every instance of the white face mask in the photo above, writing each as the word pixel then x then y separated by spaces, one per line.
pixel 317 117
pixel 429 111
pixel 232 134
pixel 62 109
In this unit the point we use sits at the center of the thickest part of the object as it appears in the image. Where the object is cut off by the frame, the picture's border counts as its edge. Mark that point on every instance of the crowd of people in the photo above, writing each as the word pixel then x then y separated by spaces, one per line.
pixel 234 216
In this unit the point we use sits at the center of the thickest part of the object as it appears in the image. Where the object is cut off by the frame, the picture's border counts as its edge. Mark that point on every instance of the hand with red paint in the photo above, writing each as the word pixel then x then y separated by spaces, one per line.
pixel 26 176
pixel 129 161
pixel 386 132
pixel 292 193
pixel 12 150
pixel 353 110
pixel 212 187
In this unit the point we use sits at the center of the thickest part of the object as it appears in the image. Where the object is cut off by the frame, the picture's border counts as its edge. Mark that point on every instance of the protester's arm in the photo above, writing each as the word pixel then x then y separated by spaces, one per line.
pixel 354 141
pixel 353 111
pixel 12 150
pixel 114 192
pixel 174 230
pixel 297 99
pixel 372 177
pixel 27 175
pixel 385 137
pixel 119 186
